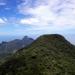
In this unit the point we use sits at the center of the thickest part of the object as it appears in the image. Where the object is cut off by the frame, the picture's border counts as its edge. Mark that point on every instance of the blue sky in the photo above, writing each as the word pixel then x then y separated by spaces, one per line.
pixel 37 17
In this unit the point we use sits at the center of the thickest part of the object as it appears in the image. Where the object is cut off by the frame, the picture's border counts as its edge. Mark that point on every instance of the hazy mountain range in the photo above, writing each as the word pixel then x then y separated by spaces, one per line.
pixel 14 45
pixel 47 55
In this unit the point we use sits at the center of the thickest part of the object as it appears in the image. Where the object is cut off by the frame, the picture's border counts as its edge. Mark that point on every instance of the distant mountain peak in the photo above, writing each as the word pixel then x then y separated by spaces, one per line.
pixel 3 42
pixel 15 44
pixel 25 37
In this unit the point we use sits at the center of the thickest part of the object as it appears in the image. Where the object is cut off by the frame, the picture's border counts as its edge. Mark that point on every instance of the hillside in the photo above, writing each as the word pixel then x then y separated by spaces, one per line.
pixel 48 55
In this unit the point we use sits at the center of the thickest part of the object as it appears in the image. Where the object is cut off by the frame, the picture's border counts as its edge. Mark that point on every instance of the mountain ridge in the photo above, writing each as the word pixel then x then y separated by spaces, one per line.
pixel 47 55
pixel 14 45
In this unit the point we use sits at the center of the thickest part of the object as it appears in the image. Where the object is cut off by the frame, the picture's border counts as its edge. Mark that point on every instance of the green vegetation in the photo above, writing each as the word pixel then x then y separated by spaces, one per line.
pixel 48 55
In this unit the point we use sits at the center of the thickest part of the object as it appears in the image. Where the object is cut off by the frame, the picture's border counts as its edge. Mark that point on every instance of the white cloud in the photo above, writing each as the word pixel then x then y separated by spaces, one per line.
pixel 2 21
pixel 50 12
pixel 2 2
pixel 29 21
pixel 7 8
pixel 41 16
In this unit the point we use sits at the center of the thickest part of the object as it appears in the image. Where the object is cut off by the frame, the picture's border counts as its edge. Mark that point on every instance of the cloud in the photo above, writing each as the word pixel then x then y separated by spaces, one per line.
pixel 41 16
pixel 6 21
pixel 29 21
pixel 49 12
pixel 2 2
pixel 7 8
pixel 2 21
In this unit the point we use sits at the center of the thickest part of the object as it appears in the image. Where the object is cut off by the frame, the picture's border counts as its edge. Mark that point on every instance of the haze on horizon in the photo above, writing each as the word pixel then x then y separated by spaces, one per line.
pixel 36 17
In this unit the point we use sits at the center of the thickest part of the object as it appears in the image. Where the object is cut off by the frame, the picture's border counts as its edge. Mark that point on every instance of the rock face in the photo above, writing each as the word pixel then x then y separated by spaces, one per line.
pixel 48 55
pixel 13 46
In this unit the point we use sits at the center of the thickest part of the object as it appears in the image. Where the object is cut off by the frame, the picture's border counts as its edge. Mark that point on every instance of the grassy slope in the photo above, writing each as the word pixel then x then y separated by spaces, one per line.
pixel 48 55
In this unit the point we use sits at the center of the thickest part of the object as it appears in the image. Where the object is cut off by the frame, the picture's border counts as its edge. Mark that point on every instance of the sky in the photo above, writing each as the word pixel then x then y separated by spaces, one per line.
pixel 37 17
